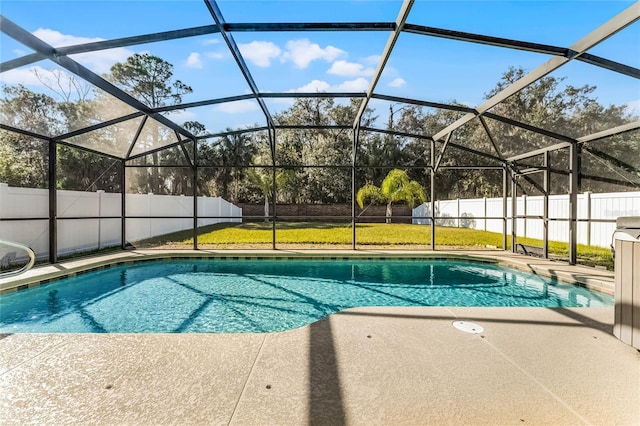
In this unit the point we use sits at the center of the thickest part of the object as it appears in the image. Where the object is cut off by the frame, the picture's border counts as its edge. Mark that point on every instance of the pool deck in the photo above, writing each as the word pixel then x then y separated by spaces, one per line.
pixel 374 365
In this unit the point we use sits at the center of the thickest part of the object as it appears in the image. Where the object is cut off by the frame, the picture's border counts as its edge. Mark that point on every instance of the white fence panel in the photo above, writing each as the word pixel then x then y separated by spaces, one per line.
pixel 32 233
pixel 591 209
pixel 19 203
pixel 23 202
pixel 76 235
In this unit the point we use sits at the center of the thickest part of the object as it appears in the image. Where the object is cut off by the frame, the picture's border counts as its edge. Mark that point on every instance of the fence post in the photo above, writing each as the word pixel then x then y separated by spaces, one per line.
pixel 524 220
pixel 505 190
pixel 587 200
pixel 4 189
pixel 123 206
pixel 149 202
pixel 514 210
pixel 100 192
pixel 484 203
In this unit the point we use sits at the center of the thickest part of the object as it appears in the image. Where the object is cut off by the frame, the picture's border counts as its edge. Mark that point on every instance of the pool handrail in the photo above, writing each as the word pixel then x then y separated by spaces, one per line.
pixel 25 268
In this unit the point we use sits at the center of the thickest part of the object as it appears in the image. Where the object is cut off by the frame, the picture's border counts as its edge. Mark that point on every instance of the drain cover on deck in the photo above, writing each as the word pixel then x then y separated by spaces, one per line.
pixel 468 327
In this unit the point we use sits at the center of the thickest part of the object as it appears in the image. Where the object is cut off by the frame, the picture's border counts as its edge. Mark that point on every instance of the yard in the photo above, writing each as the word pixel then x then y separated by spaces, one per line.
pixel 255 235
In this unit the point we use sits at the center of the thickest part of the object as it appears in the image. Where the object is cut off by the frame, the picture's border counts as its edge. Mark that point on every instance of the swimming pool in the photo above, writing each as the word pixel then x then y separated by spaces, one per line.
pixel 214 296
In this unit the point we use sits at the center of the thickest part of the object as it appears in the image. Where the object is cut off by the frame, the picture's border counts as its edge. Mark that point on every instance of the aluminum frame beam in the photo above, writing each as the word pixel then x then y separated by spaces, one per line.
pixel 444 147
pixel 136 136
pixel 23 36
pixel 326 26
pixel 204 103
pixel 216 14
pixel 396 133
pixel 629 127
pixel 44 51
pixel 312 127
pixel 295 95
pixel 111 44
pixel 609 65
pixel 386 53
pixel 321 95
pixel 463 108
pixel 99 126
pixel 490 136
pixel 611 160
pixel 609 28
pixel 53 201
pixel 199 31
pixel 618 130
pixel 233 132
pixel 25 132
pixel 483 39
pixel 309 26
pixel 425 137
pixel 526 126
pixel 418 102
pixel 522 45
pixel 573 203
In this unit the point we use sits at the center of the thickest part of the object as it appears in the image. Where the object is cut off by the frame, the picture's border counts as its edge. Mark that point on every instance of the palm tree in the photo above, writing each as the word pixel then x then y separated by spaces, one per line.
pixel 234 151
pixel 396 186
pixel 264 182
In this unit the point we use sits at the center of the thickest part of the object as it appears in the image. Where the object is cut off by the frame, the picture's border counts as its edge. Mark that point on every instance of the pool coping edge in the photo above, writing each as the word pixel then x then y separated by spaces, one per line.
pixel 61 271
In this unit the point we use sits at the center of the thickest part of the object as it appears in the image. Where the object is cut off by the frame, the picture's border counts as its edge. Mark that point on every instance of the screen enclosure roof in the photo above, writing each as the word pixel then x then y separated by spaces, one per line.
pixel 247 61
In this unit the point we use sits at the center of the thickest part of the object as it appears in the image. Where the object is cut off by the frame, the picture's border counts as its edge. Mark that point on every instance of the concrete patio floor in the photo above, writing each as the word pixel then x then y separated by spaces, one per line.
pixel 361 366
pixel 380 365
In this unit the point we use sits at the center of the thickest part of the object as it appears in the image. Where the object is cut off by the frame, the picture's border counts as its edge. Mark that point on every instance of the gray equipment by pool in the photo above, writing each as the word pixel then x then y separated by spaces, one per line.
pixel 626 245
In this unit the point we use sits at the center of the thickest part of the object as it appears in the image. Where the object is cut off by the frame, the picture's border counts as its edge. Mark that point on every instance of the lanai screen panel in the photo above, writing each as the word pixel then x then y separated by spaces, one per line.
pixel 441 56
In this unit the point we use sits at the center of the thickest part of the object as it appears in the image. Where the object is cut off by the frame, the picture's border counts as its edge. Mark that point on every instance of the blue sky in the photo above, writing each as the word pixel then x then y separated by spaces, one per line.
pixel 420 67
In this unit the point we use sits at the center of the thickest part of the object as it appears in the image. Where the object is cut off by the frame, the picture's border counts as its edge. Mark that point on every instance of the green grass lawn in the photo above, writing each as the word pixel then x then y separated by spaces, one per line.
pixel 340 234
pixel 378 235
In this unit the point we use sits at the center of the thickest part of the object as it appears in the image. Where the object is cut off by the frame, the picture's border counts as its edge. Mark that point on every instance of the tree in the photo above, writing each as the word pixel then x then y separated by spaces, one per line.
pixel 24 159
pixel 395 187
pixel 232 153
pixel 149 79
pixel 572 111
pixel 264 182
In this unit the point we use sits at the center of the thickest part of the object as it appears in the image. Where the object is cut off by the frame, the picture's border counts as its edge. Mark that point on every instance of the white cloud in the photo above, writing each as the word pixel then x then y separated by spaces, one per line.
pixel 236 107
pixel 314 86
pixel 397 82
pixel 210 41
pixel 390 72
pixel 57 39
pixel 99 61
pixel 24 76
pixel 180 116
pixel 214 55
pixel 633 107
pixel 358 85
pixel 19 52
pixel 194 60
pixel 371 60
pixel 260 52
pixel 302 52
pixel 351 69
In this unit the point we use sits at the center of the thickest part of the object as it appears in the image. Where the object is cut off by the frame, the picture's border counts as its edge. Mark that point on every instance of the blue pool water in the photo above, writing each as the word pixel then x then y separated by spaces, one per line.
pixel 211 296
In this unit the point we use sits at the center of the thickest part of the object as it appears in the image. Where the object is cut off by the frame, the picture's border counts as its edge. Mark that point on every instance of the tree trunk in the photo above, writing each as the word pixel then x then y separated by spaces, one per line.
pixel 388 213
pixel 266 209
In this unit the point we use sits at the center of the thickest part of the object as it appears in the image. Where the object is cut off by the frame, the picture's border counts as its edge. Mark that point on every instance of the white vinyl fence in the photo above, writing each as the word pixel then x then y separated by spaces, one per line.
pixel 76 235
pixel 591 209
